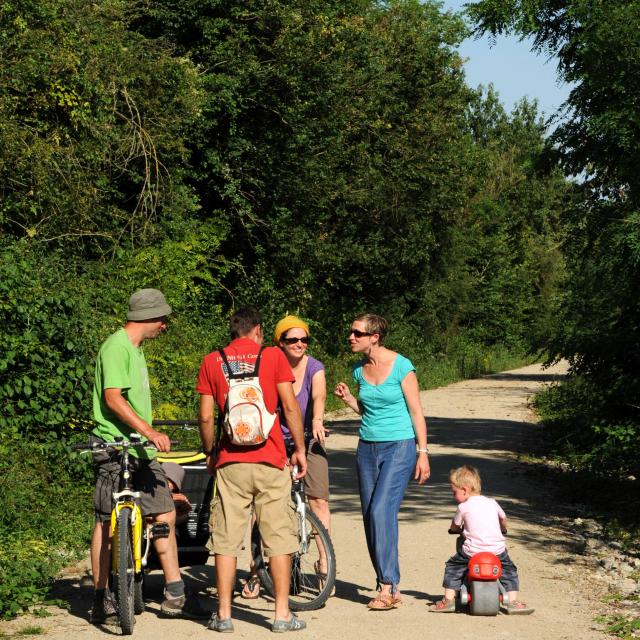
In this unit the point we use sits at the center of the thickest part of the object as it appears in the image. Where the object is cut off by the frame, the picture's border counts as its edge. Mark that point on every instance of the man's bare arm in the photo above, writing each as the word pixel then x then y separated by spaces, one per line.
pixel 118 404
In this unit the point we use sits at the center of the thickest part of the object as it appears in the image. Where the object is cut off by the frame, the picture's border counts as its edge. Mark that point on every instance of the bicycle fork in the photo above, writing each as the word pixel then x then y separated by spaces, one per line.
pixel 301 510
pixel 125 500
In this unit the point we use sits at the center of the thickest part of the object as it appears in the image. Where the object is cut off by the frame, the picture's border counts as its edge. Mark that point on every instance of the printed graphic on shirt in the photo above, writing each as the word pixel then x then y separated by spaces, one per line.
pixel 238 366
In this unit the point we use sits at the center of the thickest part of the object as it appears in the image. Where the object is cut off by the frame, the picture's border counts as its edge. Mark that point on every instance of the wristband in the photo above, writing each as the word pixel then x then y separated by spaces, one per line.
pixel 422 450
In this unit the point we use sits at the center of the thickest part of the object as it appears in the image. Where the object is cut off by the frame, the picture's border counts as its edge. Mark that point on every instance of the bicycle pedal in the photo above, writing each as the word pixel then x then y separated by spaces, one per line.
pixel 160 530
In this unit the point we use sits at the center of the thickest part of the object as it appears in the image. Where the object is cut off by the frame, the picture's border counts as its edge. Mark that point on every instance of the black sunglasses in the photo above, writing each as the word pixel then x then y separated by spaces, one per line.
pixel 359 334
pixel 290 341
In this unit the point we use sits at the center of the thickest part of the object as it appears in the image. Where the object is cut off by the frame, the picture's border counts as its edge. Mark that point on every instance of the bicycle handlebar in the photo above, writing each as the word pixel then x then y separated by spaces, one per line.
pixel 120 443
pixel 175 423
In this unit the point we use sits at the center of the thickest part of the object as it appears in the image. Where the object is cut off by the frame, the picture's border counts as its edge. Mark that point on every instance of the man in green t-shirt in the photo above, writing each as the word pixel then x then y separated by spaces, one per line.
pixel 122 406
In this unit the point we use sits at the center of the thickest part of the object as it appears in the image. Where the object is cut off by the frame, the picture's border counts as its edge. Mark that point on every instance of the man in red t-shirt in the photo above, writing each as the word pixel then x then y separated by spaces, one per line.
pixel 251 475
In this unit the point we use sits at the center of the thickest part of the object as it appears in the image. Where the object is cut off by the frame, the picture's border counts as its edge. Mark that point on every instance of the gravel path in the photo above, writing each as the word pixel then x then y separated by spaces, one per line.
pixel 484 422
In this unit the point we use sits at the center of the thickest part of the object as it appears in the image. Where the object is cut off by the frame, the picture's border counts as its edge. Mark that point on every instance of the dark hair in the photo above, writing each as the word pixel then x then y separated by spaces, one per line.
pixel 243 321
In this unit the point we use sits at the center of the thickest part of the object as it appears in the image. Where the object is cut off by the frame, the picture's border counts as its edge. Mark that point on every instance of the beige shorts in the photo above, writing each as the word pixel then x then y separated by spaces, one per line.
pixel 241 484
pixel 316 482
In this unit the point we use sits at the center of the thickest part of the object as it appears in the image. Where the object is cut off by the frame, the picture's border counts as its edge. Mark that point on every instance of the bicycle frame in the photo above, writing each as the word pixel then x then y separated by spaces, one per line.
pixel 297 492
pixel 127 498
pixel 309 589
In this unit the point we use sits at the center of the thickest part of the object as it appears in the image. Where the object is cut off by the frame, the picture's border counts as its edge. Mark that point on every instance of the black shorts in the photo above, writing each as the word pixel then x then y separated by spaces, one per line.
pixel 148 478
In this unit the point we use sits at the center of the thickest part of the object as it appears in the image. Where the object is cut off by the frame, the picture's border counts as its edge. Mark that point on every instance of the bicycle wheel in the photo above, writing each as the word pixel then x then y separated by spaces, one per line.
pixel 309 587
pixel 125 578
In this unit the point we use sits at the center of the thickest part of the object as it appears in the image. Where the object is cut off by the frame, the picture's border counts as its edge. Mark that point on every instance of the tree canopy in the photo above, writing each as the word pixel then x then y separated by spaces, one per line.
pixel 319 158
pixel 598 142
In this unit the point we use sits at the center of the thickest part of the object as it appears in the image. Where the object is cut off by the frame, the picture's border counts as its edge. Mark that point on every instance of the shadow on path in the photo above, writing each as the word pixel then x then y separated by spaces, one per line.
pixel 488 445
pixel 527 377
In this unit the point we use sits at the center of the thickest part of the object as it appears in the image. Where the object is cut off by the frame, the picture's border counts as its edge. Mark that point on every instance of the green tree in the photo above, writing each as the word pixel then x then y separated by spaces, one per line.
pixel 92 121
pixel 597 139
pixel 331 141
pixel 509 243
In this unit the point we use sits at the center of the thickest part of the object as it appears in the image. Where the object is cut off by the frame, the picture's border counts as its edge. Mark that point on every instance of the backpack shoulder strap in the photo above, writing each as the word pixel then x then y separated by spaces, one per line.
pixel 256 368
pixel 240 376
pixel 224 359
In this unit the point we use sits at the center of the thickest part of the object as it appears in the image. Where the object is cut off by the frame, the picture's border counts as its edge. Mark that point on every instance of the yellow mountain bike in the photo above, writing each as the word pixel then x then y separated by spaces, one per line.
pixel 131 535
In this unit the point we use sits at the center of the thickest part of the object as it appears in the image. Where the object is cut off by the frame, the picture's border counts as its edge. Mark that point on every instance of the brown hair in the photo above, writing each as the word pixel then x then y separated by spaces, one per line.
pixel 466 476
pixel 374 324
pixel 243 321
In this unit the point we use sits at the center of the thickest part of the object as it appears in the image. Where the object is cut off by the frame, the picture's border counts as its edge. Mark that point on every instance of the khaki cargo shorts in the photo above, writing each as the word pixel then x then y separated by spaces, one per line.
pixel 241 485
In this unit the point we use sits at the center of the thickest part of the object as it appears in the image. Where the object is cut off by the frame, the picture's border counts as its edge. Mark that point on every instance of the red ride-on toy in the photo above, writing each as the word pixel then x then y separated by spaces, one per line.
pixel 482 589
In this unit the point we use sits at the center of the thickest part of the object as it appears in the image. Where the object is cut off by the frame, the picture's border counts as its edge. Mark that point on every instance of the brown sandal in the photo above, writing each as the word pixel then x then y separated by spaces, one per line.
pixel 383 602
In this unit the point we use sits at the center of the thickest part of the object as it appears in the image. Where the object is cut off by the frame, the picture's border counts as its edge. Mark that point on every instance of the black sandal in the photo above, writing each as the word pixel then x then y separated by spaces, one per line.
pixel 251 588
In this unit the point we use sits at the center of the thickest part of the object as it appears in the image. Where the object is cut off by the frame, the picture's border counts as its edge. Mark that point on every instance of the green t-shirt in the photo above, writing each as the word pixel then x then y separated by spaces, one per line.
pixel 120 365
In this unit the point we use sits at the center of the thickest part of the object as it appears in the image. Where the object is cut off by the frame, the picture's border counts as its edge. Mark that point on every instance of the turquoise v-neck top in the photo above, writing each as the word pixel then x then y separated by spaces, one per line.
pixel 385 416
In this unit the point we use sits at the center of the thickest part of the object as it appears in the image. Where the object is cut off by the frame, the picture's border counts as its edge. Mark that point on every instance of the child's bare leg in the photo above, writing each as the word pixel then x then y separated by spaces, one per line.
pixel 450 594
pixel 512 596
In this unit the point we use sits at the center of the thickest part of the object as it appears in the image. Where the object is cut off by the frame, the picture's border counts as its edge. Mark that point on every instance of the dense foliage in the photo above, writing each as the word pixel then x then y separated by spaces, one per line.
pixel 596 417
pixel 313 157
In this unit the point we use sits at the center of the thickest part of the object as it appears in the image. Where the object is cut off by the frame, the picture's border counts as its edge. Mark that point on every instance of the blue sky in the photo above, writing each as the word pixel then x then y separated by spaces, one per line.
pixel 513 68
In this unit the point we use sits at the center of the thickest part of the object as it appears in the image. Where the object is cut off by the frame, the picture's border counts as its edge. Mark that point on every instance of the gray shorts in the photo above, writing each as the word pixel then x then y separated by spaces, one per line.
pixel 148 477
pixel 316 482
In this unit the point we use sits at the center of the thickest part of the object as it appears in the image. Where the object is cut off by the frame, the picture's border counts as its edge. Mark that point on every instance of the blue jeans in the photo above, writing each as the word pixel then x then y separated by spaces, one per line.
pixel 384 471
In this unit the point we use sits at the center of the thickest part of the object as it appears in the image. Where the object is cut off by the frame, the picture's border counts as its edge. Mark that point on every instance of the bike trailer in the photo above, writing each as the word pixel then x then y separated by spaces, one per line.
pixel 193 534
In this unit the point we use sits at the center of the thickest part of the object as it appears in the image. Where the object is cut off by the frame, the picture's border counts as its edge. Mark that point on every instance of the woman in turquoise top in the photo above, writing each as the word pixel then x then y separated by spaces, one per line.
pixel 392 424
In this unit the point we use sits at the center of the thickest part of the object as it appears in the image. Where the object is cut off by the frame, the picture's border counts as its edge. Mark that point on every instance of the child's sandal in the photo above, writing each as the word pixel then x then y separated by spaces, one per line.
pixel 444 606
pixel 517 608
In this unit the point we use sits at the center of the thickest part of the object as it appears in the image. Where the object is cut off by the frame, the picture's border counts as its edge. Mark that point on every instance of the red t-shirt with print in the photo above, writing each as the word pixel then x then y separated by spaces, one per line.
pixel 274 369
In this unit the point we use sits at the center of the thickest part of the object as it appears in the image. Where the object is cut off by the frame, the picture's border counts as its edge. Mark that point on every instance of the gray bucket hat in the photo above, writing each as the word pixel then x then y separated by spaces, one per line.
pixel 174 472
pixel 146 304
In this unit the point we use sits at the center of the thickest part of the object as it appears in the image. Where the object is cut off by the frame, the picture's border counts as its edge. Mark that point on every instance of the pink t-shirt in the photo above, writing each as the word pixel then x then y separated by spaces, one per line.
pixel 479 516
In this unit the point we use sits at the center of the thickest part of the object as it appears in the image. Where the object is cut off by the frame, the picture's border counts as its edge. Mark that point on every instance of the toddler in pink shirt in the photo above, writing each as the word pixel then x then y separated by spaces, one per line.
pixel 484 524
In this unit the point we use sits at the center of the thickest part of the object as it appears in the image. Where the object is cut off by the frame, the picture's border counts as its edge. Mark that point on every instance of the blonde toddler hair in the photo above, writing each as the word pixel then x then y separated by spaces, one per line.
pixel 466 476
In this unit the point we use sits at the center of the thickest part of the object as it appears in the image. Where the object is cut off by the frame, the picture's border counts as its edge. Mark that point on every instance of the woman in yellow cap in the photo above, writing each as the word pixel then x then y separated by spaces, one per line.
pixel 292 336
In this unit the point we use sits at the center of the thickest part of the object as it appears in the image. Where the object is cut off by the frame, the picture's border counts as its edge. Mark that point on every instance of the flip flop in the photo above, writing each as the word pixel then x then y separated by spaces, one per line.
pixel 383 603
pixel 251 588
pixel 444 606
pixel 517 608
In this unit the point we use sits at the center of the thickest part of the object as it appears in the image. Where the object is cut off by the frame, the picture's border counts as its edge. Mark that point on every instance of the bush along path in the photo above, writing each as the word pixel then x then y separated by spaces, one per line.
pixel 485 422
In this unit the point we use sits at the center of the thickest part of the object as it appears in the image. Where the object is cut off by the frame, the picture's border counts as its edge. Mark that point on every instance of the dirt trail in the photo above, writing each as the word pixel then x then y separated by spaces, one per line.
pixel 484 422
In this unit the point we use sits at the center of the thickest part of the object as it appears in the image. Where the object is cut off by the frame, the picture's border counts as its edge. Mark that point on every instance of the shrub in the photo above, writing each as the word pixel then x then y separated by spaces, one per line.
pixel 45 519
